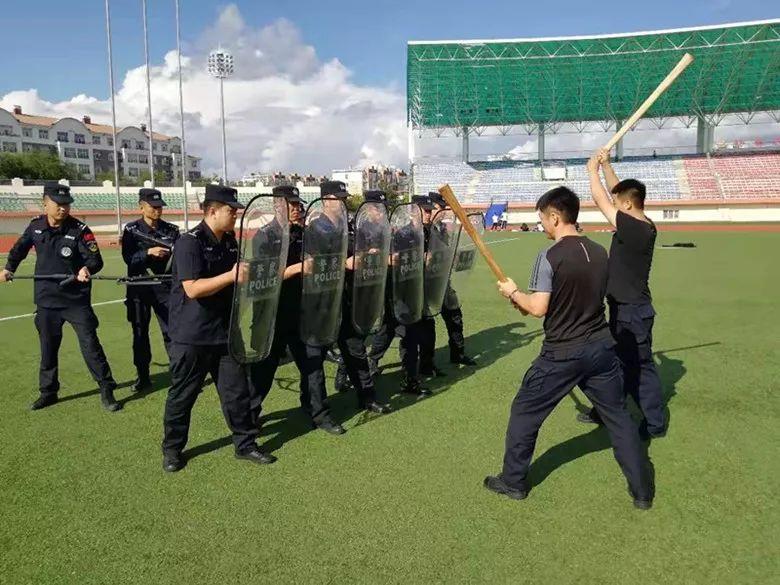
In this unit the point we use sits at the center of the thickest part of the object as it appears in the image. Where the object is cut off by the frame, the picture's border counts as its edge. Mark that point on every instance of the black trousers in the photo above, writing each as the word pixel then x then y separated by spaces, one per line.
pixel 49 323
pixel 309 361
pixel 409 348
pixel 632 328
pixel 453 320
pixel 189 366
pixel 427 329
pixel 595 368
pixel 140 306
pixel 354 363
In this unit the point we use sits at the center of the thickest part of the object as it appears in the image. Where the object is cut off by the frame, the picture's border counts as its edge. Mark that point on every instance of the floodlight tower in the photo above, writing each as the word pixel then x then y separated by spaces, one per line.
pixel 221 67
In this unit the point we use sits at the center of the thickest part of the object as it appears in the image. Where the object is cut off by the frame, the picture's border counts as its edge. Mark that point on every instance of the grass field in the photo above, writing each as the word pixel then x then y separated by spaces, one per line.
pixel 399 499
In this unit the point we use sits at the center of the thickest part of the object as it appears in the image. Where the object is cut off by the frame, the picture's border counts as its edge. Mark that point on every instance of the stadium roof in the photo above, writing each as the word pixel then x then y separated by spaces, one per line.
pixel 479 83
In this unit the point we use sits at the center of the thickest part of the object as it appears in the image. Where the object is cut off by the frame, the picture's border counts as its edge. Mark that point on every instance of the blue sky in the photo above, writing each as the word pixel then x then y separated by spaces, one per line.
pixel 58 47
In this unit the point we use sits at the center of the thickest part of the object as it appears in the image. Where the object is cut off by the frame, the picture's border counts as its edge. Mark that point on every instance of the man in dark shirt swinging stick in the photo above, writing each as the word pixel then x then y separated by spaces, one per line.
pixel 631 313
pixel 567 288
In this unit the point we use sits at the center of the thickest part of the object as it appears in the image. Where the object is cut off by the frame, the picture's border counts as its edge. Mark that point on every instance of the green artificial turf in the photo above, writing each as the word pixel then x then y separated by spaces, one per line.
pixel 399 499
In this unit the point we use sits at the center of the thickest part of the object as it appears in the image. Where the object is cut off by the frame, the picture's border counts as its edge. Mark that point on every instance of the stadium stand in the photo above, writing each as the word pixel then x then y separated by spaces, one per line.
pixel 670 178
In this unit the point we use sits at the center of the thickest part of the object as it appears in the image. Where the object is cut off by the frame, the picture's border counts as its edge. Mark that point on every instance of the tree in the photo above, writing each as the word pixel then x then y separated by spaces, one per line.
pixel 160 179
pixel 203 181
pixel 109 176
pixel 35 166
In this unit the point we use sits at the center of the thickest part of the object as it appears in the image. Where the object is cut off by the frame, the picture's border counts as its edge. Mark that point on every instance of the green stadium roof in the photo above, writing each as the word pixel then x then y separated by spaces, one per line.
pixel 453 84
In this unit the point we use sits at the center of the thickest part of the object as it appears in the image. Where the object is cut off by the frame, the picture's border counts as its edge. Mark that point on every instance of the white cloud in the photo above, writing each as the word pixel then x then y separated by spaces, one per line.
pixel 285 109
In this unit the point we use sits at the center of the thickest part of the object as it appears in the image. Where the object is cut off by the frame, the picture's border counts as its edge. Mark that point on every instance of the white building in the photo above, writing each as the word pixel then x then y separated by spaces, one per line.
pixel 352 178
pixel 90 148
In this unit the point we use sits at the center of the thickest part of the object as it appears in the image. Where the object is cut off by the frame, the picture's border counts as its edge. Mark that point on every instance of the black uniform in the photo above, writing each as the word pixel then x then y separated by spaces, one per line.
pixel 411 335
pixel 427 327
pixel 452 315
pixel 451 312
pixel 141 301
pixel 64 249
pixel 578 350
pixel 198 330
pixel 308 359
pixel 352 344
pixel 631 315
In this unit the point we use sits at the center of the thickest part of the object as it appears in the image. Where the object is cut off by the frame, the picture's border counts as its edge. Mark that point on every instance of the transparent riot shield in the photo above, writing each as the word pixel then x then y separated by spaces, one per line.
pixel 263 240
pixel 465 259
pixel 324 255
pixel 371 251
pixel 407 244
pixel 443 236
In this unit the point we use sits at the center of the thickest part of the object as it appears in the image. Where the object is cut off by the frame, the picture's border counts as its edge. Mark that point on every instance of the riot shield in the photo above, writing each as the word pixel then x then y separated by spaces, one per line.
pixel 465 259
pixel 324 256
pixel 372 247
pixel 407 244
pixel 264 236
pixel 442 243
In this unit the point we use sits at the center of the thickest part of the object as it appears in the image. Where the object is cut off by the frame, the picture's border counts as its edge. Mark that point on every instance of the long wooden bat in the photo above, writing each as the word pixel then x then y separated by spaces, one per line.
pixel 446 192
pixel 686 60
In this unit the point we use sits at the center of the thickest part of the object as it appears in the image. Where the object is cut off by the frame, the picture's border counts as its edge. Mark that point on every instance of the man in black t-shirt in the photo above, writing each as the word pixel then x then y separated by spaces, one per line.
pixel 205 270
pixel 631 312
pixel 567 288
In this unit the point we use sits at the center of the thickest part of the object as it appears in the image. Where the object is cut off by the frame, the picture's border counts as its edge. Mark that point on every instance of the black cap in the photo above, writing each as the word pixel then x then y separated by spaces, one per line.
pixel 423 201
pixel 290 193
pixel 437 199
pixel 333 189
pixel 57 193
pixel 375 196
pixel 223 194
pixel 151 196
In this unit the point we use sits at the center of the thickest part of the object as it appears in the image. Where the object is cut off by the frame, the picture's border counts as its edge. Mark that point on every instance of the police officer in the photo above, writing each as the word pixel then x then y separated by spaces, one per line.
pixel 63 245
pixel 567 288
pixel 631 313
pixel 427 326
pixel 308 358
pixel 146 247
pixel 205 269
pixel 451 311
pixel 354 365
pixel 411 335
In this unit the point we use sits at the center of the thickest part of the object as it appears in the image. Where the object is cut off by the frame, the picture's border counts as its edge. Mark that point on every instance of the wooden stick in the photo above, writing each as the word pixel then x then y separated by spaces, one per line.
pixel 446 192
pixel 662 87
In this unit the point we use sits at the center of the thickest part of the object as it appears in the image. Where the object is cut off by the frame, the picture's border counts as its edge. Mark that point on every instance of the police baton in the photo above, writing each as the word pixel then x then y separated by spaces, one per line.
pixel 66 279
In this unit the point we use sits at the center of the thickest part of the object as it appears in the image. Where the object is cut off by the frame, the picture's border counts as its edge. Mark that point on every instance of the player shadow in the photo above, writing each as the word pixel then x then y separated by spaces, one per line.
pixel 670 370
pixel 487 346
pixel 93 392
pixel 572 449
pixel 160 381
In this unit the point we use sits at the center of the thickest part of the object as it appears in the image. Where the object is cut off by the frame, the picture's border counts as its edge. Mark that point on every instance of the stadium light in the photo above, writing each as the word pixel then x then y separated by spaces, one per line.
pixel 221 66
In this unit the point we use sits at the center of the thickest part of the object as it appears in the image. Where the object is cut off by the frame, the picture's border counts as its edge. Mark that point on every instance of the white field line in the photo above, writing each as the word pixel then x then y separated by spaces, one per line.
pixel 32 314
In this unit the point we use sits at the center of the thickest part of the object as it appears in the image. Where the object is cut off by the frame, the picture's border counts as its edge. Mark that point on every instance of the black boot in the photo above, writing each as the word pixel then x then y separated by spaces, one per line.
pixel 412 386
pixel 108 401
pixel 462 359
pixel 43 401
pixel 143 383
